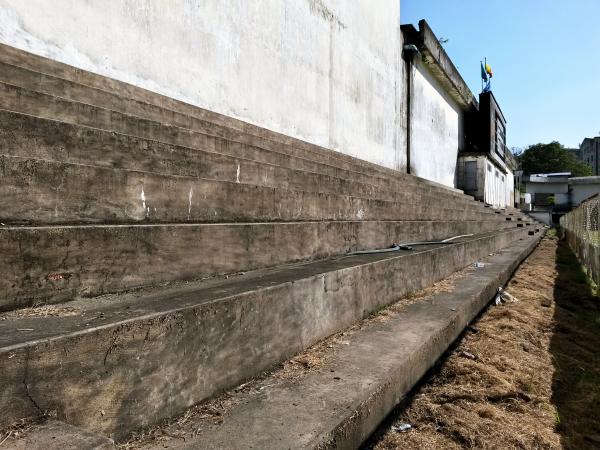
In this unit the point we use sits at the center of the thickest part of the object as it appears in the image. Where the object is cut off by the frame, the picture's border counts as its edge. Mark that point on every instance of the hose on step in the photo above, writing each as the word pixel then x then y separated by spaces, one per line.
pixel 408 245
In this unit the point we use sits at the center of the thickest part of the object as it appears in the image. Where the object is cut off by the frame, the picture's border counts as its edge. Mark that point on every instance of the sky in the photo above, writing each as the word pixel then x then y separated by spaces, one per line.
pixel 545 56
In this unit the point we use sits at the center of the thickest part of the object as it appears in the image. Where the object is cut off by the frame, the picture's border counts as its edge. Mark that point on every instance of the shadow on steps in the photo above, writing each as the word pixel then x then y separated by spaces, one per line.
pixel 575 347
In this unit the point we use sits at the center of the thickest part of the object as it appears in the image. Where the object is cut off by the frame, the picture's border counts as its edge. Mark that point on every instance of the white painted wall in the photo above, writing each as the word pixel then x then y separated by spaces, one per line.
pixel 581 192
pixel 436 129
pixel 326 71
pixel 499 187
pixel 510 189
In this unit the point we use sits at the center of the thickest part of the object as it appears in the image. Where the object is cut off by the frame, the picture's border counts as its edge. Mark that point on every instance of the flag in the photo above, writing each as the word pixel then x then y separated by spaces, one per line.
pixel 488 87
pixel 488 70
pixel 484 76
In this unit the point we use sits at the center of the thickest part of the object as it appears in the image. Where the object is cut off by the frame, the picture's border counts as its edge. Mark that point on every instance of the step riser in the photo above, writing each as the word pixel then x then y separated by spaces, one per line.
pixel 43 192
pixel 32 137
pixel 117 379
pixel 40 105
pixel 50 265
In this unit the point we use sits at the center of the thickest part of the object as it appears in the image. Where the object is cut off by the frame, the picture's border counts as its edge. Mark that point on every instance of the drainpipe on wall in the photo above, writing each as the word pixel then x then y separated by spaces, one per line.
pixel 408 54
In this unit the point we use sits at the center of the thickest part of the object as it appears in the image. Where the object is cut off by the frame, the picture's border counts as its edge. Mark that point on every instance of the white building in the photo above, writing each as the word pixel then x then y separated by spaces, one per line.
pixel 339 74
pixel 486 166
pixel 554 194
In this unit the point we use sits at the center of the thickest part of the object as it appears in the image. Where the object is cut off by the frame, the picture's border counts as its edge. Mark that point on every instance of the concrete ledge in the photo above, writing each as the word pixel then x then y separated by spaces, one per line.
pixel 36 191
pixel 339 405
pixel 440 64
pixel 124 362
pixel 54 264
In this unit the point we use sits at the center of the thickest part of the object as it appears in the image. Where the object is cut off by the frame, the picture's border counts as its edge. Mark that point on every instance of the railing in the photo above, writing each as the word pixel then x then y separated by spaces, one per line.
pixel 582 230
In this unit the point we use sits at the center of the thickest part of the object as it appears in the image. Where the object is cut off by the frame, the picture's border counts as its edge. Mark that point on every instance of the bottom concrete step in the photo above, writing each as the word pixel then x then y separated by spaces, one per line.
pixel 119 363
pixel 362 376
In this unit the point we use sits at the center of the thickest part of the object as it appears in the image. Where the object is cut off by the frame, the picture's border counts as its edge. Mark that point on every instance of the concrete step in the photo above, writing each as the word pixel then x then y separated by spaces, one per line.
pixel 13 98
pixel 57 78
pixel 124 362
pixel 31 137
pixel 339 403
pixel 56 435
pixel 45 192
pixel 61 263
pixel 152 106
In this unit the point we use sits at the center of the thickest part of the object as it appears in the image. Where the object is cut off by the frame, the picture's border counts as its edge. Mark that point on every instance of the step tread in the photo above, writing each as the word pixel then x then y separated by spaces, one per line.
pixel 363 376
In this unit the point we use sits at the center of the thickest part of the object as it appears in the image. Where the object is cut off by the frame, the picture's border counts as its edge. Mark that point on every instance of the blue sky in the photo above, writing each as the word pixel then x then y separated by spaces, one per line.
pixel 545 56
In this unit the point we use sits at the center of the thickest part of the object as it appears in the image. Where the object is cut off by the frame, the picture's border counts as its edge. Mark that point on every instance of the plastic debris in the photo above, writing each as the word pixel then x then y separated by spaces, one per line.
pixel 468 355
pixel 503 296
pixel 507 297
pixel 402 428
pixel 478 265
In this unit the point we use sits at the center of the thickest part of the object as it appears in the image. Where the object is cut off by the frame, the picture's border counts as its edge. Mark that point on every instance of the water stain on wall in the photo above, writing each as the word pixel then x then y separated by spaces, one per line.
pixel 319 8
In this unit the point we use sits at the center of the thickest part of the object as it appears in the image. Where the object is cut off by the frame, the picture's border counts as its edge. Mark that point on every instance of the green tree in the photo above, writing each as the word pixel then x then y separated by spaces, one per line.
pixel 552 157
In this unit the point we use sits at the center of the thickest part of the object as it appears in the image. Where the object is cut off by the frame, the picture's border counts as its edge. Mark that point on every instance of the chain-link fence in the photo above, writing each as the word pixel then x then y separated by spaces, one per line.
pixel 582 230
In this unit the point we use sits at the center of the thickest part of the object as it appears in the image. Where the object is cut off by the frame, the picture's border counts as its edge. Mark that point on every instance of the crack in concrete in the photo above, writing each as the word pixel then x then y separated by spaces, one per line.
pixel 26 386
pixel 111 347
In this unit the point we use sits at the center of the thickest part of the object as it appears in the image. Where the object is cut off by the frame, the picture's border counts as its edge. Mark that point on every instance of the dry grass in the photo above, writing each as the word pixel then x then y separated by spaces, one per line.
pixel 509 382
pixel 44 311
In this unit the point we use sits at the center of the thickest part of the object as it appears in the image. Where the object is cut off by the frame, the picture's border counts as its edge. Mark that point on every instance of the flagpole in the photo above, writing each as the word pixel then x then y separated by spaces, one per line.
pixel 485 65
pixel 480 66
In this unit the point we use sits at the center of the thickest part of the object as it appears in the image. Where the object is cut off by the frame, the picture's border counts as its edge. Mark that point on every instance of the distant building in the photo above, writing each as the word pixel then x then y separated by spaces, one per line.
pixel 589 153
pixel 551 195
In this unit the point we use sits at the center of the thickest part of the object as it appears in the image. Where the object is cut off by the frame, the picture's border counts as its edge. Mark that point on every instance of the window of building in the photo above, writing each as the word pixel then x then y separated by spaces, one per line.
pixel 500 137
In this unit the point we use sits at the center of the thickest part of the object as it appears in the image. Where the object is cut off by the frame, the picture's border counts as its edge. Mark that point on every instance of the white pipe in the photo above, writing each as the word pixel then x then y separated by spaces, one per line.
pixel 397 247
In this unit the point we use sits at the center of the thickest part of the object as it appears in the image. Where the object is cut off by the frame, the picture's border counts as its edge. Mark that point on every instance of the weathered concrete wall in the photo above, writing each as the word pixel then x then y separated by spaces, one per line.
pixel 326 71
pixel 436 128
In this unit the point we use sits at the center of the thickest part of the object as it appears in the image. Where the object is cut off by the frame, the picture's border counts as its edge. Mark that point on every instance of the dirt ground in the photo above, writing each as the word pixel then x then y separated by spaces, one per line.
pixel 525 375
